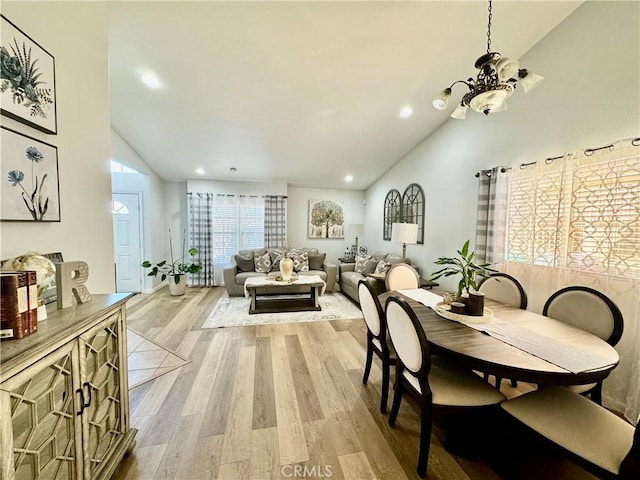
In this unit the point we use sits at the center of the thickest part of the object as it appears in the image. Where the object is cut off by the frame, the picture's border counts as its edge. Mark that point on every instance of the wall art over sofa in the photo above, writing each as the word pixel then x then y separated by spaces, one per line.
pixel 30 174
pixel 326 219
pixel 27 80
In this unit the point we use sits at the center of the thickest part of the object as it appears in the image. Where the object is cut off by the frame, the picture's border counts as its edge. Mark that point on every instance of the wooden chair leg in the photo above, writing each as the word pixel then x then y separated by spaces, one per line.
pixel 397 397
pixel 385 386
pixel 367 365
pixel 425 437
pixel 498 382
pixel 596 393
pixel 514 383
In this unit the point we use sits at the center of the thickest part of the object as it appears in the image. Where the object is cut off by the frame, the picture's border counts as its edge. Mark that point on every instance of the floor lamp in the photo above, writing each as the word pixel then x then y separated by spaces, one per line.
pixel 404 233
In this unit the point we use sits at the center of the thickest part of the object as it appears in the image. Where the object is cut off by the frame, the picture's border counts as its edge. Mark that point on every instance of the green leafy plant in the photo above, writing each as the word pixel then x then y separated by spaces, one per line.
pixel 464 266
pixel 177 267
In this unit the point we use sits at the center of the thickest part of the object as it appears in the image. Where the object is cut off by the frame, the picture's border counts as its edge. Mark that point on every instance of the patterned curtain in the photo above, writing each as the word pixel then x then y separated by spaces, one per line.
pixel 576 221
pixel 200 216
pixel 491 216
pixel 275 221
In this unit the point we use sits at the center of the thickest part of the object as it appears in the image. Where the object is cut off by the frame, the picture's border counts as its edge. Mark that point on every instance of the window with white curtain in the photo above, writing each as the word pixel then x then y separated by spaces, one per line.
pixel 237 224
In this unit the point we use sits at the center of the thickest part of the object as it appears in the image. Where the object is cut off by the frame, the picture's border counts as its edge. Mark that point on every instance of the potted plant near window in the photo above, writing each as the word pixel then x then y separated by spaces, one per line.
pixel 469 271
pixel 176 270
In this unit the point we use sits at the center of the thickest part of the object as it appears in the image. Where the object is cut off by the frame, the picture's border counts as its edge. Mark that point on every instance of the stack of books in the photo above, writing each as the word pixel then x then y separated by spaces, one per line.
pixel 18 304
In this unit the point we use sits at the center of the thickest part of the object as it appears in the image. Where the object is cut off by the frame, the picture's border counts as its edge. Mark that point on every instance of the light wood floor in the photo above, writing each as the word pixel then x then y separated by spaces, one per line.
pixel 287 401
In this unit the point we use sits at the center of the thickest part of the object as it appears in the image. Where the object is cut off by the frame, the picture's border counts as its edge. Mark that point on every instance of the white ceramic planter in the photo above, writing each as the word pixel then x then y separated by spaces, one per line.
pixel 177 288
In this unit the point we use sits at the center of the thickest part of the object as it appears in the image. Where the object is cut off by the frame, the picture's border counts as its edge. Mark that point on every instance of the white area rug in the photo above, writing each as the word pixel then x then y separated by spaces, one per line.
pixel 234 312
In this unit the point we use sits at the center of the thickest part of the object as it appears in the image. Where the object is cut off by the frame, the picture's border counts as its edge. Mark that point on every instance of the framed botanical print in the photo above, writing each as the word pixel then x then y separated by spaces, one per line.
pixel 30 191
pixel 27 80
pixel 326 219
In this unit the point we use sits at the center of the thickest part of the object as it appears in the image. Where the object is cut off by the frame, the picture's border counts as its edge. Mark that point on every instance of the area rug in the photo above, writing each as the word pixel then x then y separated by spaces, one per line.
pixel 234 312
pixel 148 360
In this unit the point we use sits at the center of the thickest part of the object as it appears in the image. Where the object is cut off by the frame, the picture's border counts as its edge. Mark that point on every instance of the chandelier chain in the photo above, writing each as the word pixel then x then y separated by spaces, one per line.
pixel 489 29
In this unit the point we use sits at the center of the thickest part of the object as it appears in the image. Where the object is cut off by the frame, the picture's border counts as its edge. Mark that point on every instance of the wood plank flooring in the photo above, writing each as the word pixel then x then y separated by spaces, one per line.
pixel 287 401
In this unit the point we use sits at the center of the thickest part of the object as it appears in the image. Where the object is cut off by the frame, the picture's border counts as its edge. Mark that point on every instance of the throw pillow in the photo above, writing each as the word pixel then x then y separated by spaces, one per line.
pixel 262 262
pixel 300 261
pixel 316 261
pixel 382 267
pixel 361 263
pixel 276 255
pixel 245 264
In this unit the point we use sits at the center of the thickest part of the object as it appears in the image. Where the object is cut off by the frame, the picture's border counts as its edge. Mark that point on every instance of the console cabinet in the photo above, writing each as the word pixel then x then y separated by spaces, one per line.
pixel 64 403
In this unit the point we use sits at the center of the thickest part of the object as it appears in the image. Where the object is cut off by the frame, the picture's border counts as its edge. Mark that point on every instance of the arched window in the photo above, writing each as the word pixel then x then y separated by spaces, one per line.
pixel 413 208
pixel 118 208
pixel 392 212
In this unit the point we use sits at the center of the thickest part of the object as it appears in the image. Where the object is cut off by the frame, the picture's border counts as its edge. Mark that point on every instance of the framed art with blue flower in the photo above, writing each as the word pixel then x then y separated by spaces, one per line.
pixel 27 80
pixel 30 185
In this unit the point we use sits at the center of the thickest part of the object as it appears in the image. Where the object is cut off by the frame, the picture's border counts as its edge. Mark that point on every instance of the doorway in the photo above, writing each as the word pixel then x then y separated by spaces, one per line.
pixel 126 213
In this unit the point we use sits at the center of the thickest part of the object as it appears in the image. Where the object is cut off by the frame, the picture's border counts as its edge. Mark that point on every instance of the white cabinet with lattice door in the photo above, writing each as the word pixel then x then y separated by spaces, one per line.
pixel 64 405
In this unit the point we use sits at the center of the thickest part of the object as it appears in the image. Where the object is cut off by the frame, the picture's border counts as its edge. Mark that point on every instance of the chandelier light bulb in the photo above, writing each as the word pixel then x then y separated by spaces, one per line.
pixel 442 100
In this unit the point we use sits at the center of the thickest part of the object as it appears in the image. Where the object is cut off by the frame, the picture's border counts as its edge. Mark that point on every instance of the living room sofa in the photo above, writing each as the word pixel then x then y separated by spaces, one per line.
pixel 239 269
pixel 349 278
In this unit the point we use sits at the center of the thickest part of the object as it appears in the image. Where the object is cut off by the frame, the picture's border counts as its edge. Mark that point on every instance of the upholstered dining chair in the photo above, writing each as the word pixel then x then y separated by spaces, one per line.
pixel 600 440
pixel 432 381
pixel 590 310
pixel 503 288
pixel 377 339
pixel 402 276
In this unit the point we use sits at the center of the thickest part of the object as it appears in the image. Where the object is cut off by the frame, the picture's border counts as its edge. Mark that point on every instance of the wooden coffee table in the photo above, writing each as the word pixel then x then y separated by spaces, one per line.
pixel 305 300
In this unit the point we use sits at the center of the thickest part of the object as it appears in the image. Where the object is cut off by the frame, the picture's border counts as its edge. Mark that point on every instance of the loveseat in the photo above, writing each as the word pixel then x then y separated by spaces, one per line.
pixel 349 277
pixel 253 263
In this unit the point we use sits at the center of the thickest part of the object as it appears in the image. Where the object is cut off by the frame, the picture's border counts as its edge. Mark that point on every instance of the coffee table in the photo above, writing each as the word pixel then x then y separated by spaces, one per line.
pixel 305 299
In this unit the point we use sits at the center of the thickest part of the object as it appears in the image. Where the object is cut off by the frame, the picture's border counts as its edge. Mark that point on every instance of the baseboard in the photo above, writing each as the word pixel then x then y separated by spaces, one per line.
pixel 156 288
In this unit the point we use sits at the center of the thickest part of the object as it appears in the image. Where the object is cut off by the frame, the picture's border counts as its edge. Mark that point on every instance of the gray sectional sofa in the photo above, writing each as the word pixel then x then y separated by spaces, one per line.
pixel 239 269
pixel 349 278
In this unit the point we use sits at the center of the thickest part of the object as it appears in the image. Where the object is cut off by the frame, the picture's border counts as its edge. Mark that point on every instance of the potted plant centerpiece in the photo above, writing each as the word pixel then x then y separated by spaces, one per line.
pixel 177 269
pixel 470 272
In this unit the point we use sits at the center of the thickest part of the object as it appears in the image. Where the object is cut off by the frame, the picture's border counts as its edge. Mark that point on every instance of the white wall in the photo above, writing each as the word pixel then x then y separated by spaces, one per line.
pixel 151 187
pixel 590 97
pixel 298 219
pixel 237 188
pixel 176 216
pixel 76 35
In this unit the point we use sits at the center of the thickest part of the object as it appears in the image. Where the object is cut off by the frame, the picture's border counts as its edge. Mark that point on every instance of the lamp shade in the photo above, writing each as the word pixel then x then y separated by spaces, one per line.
pixel 404 233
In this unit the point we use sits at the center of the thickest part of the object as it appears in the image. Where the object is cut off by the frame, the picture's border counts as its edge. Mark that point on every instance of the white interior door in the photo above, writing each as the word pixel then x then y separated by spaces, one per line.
pixel 127 241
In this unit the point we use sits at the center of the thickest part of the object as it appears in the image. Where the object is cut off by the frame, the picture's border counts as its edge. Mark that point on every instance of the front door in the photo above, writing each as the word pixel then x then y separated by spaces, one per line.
pixel 126 237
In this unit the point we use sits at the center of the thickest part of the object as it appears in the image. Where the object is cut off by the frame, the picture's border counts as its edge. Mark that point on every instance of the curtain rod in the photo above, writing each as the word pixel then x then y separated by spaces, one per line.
pixel 588 152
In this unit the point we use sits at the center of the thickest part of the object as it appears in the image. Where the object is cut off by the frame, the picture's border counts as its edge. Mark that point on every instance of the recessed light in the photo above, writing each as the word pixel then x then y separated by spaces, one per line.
pixel 200 171
pixel 150 80
pixel 348 178
pixel 406 111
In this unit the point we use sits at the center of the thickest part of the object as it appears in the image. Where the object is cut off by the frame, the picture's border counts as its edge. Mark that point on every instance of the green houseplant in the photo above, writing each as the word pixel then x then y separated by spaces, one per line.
pixel 176 269
pixel 463 265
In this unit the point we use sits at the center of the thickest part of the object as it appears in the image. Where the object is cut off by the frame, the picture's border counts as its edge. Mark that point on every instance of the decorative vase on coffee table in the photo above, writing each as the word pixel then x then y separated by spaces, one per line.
pixel 286 268
pixel 179 288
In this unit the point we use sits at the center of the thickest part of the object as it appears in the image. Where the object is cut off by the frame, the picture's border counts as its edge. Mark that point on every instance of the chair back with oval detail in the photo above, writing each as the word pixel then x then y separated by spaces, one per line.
pixel 504 288
pixel 402 276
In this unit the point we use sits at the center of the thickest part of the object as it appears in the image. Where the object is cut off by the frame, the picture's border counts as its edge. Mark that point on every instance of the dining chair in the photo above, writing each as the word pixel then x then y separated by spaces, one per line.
pixel 377 339
pixel 589 310
pixel 432 381
pixel 506 289
pixel 402 276
pixel 598 439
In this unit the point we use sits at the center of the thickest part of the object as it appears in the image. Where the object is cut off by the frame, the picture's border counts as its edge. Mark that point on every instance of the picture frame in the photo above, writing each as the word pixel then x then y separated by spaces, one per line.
pixel 326 219
pixel 30 168
pixel 27 81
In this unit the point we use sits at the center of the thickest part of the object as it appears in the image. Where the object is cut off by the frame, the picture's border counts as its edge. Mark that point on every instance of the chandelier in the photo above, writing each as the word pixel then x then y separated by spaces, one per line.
pixel 495 82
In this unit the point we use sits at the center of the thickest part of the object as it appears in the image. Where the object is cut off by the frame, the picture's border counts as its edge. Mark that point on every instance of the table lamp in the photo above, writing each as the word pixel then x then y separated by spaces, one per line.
pixel 404 233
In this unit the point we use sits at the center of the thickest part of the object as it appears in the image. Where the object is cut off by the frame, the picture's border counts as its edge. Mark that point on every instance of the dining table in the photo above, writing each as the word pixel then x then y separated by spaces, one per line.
pixel 513 343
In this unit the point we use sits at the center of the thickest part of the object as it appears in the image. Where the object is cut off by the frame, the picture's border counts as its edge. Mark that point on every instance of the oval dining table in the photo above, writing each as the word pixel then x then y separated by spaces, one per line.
pixel 487 354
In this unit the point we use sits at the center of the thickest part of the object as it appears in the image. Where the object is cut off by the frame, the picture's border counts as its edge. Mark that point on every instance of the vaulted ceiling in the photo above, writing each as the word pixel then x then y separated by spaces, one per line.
pixel 299 92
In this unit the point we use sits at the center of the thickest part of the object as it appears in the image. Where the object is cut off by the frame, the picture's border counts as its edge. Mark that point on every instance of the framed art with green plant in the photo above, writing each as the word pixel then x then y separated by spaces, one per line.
pixel 30 168
pixel 27 80
pixel 463 265
pixel 174 268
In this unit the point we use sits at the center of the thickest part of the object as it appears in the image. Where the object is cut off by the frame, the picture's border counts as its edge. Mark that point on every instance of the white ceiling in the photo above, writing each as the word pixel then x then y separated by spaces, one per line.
pixel 300 92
